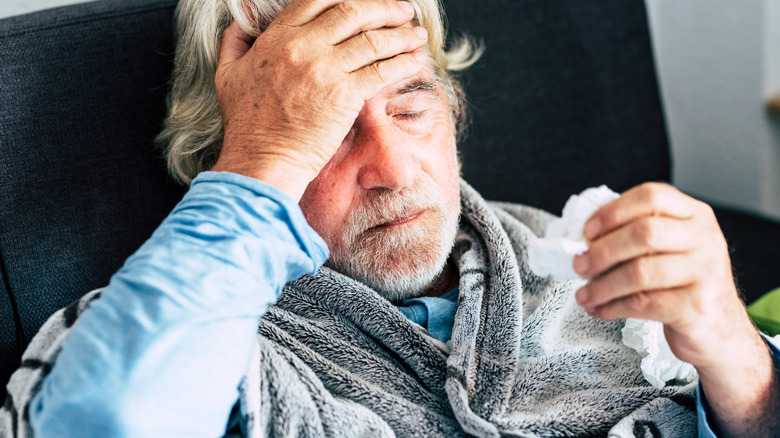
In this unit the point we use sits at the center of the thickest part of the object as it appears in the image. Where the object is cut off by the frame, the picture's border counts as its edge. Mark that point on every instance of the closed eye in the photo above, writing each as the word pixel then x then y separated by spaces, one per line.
pixel 411 115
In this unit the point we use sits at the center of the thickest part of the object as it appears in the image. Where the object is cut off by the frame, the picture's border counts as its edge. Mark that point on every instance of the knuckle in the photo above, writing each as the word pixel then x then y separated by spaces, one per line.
pixel 289 52
pixel 379 71
pixel 649 193
pixel 349 10
pixel 294 53
pixel 646 233
pixel 389 6
pixel 639 272
pixel 638 302
pixel 600 255
pixel 706 210
pixel 373 41
pixel 658 187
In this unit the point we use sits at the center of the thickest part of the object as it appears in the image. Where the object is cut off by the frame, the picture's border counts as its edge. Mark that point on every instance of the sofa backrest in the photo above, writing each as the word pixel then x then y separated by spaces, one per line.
pixel 82 92
pixel 564 98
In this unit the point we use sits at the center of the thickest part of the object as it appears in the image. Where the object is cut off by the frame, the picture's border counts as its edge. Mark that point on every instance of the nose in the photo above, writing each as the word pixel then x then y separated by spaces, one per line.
pixel 387 159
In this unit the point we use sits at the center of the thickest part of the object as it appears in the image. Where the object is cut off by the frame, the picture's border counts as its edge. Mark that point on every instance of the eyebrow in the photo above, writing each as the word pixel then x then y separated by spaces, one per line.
pixel 428 85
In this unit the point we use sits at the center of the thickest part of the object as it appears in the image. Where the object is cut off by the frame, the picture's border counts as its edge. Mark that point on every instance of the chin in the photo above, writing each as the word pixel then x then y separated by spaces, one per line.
pixel 400 284
pixel 400 264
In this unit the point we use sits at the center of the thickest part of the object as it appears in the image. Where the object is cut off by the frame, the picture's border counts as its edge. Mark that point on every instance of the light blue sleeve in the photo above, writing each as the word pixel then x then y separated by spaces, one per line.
pixel 703 408
pixel 161 353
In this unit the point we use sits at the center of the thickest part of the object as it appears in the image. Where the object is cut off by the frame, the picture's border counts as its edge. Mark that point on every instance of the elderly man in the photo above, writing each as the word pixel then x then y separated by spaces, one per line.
pixel 329 128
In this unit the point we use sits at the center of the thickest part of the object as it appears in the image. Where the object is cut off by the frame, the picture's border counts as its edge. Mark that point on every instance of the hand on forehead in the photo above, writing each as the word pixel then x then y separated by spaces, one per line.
pixel 289 97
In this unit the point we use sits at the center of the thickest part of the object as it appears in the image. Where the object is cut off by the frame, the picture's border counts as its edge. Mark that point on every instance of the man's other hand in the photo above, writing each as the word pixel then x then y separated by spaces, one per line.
pixel 289 97
pixel 656 253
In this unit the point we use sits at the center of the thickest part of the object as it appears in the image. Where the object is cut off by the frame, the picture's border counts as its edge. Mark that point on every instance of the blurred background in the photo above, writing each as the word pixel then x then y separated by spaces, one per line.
pixel 718 63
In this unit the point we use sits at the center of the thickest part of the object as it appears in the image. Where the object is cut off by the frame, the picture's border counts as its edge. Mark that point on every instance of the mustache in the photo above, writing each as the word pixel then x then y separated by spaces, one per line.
pixel 380 207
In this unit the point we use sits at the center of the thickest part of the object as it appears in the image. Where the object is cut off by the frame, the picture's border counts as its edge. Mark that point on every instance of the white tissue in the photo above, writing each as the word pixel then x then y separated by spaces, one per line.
pixel 554 254
pixel 659 364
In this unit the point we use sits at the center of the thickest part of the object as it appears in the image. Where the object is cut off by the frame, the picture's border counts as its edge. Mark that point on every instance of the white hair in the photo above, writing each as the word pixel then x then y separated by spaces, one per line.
pixel 192 134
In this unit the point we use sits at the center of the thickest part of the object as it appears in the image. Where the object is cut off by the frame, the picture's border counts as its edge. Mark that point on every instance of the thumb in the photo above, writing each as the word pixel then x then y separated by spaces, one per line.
pixel 235 43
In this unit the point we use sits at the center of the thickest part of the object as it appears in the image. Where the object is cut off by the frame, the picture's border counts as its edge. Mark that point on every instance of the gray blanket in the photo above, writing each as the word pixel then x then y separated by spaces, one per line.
pixel 333 358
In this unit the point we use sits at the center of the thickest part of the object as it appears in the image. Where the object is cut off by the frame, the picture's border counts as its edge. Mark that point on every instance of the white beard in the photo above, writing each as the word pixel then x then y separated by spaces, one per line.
pixel 400 261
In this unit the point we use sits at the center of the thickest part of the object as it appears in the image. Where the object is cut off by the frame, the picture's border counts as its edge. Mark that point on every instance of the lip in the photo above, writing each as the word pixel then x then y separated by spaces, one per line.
pixel 399 221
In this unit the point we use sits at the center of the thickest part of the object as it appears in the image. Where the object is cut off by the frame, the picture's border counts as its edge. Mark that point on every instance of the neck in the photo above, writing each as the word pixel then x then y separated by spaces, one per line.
pixel 445 282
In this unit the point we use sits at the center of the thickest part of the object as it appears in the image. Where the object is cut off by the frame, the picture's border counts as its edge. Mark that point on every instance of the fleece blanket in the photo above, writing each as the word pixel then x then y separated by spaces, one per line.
pixel 334 358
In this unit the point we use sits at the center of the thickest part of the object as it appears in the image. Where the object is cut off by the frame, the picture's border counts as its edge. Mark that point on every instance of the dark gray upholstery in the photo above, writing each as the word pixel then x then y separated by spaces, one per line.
pixel 565 98
pixel 754 244
pixel 82 93
pixel 561 82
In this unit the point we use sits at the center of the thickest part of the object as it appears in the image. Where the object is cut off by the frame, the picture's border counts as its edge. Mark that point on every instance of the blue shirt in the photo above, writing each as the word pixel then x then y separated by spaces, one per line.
pixel 163 350
pixel 161 353
pixel 435 314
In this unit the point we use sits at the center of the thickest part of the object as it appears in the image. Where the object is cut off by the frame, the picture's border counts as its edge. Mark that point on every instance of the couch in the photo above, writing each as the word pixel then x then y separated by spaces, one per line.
pixel 565 97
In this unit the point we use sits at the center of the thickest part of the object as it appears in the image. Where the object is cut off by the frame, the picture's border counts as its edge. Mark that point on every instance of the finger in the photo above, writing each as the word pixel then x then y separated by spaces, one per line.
pixel 644 236
pixel 350 17
pixel 300 12
pixel 374 45
pixel 658 305
pixel 651 199
pixel 668 271
pixel 371 79
pixel 235 43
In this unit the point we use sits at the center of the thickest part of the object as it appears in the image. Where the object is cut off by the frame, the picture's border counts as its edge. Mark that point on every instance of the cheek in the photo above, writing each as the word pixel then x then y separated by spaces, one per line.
pixel 442 164
pixel 452 191
pixel 326 205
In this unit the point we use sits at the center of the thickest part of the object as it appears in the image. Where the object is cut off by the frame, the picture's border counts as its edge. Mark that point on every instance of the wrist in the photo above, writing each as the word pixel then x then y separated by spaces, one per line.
pixel 742 399
pixel 737 354
pixel 722 336
pixel 279 173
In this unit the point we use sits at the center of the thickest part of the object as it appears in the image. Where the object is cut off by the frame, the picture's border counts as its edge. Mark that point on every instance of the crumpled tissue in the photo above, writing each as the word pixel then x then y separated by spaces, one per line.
pixel 659 364
pixel 554 255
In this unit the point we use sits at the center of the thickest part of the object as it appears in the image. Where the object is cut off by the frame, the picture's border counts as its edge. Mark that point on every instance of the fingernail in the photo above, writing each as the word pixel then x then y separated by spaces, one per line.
pixel 591 229
pixel 407 7
pixel 581 264
pixel 421 56
pixel 421 32
pixel 582 295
